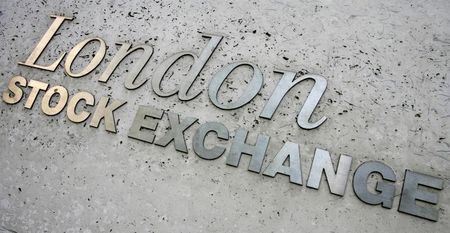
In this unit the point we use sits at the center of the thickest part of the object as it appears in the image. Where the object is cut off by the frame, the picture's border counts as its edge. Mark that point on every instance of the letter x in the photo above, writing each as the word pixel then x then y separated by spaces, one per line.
pixel 176 132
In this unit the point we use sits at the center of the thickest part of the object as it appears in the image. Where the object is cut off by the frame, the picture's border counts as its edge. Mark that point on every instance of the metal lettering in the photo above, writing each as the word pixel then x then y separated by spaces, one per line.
pixel 191 76
pixel 411 193
pixel 257 151
pixel 145 119
pixel 385 191
pixel 63 96
pixel 105 111
pixel 124 51
pixel 252 90
pixel 73 102
pixel 199 140
pixel 286 83
pixel 176 132
pixel 36 87
pixel 98 57
pixel 294 171
pixel 337 180
pixel 37 51
pixel 14 93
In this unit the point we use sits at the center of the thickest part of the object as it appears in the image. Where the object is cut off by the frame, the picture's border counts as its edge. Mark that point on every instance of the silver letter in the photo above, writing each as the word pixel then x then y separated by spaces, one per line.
pixel 142 122
pixel 337 181
pixel 386 190
pixel 286 83
pixel 254 86
pixel 239 147
pixel 294 170
pixel 199 140
pixel 411 193
pixel 192 74
pixel 176 132
pixel 120 56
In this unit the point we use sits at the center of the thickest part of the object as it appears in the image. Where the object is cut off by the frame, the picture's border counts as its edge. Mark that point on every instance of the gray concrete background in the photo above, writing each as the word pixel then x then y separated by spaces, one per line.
pixel 386 62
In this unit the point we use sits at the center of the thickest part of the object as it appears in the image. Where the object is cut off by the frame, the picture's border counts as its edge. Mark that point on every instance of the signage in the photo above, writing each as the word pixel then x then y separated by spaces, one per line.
pixel 417 187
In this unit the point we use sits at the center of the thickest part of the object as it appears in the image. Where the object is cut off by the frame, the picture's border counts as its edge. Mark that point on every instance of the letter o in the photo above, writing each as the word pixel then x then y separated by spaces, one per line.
pixel 254 86
pixel 98 57
pixel 63 96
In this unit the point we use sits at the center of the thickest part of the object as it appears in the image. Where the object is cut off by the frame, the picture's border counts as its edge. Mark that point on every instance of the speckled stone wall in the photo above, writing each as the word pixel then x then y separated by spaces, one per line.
pixel 387 66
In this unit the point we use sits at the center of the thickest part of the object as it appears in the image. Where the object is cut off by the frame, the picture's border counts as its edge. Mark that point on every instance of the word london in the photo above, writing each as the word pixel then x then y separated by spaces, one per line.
pixel 147 117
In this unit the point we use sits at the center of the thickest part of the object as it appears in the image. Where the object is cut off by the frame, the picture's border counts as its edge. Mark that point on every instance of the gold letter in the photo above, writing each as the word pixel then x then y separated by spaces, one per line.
pixel 15 93
pixel 37 86
pixel 104 111
pixel 71 107
pixel 91 66
pixel 43 43
pixel 63 96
